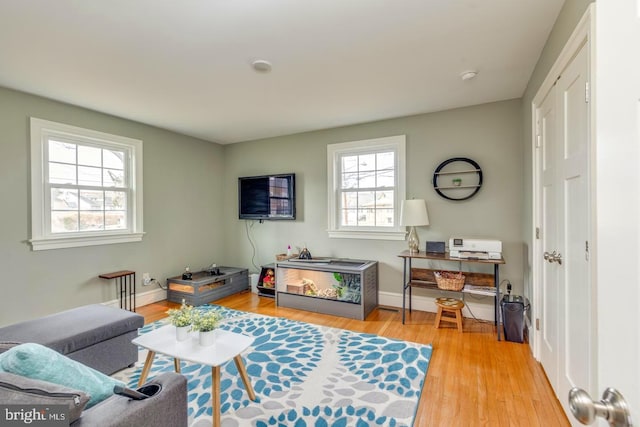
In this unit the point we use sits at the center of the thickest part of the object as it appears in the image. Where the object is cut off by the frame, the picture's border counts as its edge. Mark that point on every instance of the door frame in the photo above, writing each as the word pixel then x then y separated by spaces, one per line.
pixel 581 35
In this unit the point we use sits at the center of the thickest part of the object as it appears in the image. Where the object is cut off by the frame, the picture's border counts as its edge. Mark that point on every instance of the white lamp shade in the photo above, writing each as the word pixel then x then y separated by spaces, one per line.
pixel 414 212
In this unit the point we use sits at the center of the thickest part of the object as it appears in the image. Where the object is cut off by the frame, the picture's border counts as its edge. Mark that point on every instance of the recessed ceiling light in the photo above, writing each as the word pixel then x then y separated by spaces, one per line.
pixel 468 75
pixel 261 66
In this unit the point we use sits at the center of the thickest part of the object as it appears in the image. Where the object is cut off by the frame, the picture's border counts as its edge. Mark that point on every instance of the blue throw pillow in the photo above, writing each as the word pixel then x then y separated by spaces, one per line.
pixel 42 363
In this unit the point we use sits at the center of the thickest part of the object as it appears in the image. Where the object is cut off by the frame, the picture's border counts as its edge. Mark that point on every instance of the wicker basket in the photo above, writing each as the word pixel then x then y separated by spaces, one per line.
pixel 284 257
pixel 449 281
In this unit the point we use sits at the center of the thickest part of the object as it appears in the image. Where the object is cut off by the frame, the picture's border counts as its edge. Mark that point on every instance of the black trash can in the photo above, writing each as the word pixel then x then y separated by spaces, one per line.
pixel 513 308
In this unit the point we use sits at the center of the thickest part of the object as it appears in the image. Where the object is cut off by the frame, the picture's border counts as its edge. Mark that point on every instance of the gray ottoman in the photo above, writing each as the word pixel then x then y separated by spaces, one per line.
pixel 96 335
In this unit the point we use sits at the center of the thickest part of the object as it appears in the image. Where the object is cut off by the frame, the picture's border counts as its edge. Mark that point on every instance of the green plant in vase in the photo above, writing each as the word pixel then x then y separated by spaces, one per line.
pixel 181 317
pixel 205 321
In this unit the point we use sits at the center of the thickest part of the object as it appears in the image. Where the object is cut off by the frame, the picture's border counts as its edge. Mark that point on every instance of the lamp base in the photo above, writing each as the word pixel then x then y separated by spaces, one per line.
pixel 414 242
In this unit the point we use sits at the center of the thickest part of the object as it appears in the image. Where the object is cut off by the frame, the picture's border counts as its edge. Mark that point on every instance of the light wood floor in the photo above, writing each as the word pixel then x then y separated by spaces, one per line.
pixel 473 379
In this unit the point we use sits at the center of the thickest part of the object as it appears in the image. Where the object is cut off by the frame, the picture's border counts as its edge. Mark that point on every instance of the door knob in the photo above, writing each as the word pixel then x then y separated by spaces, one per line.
pixel 553 257
pixel 612 407
pixel 557 257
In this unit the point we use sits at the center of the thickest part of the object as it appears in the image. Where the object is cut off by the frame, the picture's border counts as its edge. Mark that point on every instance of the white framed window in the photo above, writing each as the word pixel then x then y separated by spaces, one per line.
pixel 86 187
pixel 366 185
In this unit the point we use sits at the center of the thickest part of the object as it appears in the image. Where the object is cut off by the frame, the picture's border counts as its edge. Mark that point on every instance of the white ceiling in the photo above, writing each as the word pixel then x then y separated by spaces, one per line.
pixel 185 65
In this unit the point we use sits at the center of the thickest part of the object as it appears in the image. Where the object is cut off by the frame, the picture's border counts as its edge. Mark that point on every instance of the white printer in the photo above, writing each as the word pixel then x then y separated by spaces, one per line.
pixel 475 248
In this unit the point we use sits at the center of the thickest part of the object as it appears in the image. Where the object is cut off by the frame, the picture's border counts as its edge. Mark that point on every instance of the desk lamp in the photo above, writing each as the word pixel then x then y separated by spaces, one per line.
pixel 414 213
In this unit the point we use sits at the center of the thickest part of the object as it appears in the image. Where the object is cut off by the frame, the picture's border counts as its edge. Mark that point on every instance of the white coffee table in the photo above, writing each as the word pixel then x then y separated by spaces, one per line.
pixel 227 346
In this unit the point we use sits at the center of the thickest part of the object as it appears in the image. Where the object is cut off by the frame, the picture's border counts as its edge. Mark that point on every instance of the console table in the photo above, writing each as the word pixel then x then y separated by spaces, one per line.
pixel 126 286
pixel 423 278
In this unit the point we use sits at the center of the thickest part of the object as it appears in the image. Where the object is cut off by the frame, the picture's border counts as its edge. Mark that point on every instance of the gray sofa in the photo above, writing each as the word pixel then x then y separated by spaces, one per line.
pixel 99 337
pixel 166 408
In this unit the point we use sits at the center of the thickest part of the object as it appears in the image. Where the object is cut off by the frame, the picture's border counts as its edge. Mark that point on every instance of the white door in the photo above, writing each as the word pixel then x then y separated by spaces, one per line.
pixel 548 232
pixel 565 291
pixel 572 180
pixel 617 213
pixel 598 330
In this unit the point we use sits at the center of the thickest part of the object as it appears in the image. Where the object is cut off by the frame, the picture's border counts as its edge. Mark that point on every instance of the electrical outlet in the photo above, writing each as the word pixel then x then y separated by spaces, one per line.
pixel 146 279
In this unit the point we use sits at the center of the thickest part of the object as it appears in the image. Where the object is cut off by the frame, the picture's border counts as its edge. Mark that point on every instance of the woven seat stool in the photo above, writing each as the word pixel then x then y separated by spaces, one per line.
pixel 449 306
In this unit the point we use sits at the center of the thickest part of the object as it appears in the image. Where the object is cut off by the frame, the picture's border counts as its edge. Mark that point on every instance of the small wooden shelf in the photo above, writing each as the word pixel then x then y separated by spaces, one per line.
pixel 463 162
pixel 455 187
pixel 425 276
pixel 458 172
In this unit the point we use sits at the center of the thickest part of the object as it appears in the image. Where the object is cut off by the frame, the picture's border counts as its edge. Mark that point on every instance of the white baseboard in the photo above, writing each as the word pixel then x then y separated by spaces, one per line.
pixel 422 303
pixel 390 299
pixel 142 298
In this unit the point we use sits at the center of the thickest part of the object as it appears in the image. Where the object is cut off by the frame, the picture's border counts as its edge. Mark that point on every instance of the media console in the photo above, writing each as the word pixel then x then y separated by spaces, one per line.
pixel 341 287
pixel 206 286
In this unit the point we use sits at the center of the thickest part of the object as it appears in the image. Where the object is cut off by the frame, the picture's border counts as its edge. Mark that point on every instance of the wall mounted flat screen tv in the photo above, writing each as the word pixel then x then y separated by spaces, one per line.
pixel 267 197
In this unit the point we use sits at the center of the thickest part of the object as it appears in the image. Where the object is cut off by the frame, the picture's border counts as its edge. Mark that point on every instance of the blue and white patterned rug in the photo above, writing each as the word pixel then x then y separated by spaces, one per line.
pixel 304 375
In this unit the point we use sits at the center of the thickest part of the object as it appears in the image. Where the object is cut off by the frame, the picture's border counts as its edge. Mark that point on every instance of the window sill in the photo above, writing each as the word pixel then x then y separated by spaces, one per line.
pixel 368 235
pixel 41 244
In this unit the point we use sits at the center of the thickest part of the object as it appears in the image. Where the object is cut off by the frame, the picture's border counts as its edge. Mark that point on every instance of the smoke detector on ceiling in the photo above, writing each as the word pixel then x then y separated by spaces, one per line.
pixel 468 75
pixel 261 66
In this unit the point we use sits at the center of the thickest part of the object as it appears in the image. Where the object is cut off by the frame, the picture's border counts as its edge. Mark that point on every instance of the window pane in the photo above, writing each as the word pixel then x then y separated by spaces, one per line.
pixel 115 220
pixel 91 200
pixel 366 199
pixel 385 160
pixel 367 179
pixel 385 178
pixel 113 178
pixel 89 176
pixel 62 174
pixel 64 222
pixel 64 199
pixel 349 217
pixel 89 156
pixel 91 221
pixel 62 152
pixel 115 200
pixel 384 217
pixel 350 200
pixel 350 164
pixel 384 199
pixel 367 162
pixel 113 159
pixel 366 217
pixel 349 180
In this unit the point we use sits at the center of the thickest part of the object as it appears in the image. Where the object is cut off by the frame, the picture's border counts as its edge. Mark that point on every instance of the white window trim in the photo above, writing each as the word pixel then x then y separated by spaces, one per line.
pixel 40 239
pixel 398 144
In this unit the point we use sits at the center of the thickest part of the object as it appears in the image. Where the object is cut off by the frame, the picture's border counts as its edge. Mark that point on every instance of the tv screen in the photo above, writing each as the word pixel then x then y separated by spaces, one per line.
pixel 267 197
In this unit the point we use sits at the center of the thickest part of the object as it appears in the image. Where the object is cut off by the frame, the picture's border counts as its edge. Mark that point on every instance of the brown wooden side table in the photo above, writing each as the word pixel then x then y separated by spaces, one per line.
pixel 126 282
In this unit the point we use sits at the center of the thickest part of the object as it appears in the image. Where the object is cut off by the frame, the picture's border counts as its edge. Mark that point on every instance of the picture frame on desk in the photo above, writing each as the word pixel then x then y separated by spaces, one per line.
pixel 435 247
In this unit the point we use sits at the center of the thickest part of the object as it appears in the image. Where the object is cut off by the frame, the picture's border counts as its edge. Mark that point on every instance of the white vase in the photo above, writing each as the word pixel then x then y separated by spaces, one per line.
pixel 206 338
pixel 182 332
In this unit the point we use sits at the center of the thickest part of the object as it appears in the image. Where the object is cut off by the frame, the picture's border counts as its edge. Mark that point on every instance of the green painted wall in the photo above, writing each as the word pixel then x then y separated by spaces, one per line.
pixel 571 13
pixel 491 134
pixel 191 195
pixel 183 186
